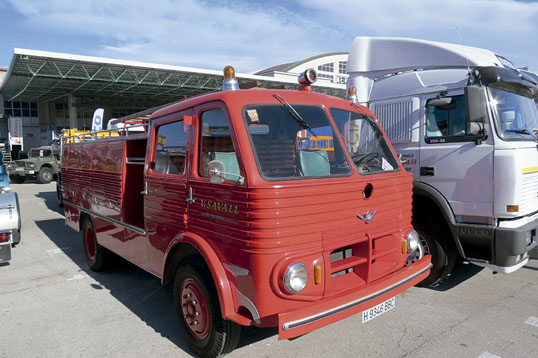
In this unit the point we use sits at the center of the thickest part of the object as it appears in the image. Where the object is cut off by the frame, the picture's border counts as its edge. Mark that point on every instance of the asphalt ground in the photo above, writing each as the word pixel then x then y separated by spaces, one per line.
pixel 52 305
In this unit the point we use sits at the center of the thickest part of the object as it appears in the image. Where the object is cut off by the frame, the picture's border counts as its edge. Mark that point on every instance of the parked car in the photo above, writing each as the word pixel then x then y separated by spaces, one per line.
pixel 10 218
pixel 42 163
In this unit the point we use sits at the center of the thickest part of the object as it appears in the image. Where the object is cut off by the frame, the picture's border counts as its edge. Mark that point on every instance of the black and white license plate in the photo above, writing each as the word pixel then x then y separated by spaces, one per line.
pixel 378 310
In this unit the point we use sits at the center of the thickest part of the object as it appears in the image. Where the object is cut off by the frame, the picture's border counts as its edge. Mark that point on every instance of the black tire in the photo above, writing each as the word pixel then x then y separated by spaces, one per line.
pixel 17 179
pixel 44 176
pixel 436 242
pixel 96 255
pixel 198 312
pixel 59 197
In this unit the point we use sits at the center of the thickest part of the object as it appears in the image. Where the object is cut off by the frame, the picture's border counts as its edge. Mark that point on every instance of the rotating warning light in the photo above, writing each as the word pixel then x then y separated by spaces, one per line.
pixel 229 83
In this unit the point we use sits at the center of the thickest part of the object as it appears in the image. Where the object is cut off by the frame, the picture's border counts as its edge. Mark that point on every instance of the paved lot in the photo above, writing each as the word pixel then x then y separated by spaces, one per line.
pixel 52 305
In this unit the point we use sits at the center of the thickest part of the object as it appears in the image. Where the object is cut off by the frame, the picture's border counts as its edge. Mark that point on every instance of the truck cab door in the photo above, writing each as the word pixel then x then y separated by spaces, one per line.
pixel 216 207
pixel 453 163
pixel 165 184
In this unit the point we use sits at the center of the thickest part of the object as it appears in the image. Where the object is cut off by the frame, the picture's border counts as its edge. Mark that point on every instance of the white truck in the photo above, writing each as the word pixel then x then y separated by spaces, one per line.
pixel 464 122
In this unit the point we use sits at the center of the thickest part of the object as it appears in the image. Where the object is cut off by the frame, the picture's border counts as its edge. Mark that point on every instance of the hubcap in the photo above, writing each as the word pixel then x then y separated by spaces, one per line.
pixel 89 241
pixel 194 308
pixel 422 249
pixel 46 175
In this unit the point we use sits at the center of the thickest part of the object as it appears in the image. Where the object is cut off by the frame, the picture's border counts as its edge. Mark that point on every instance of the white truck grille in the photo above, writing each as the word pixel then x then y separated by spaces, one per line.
pixel 529 193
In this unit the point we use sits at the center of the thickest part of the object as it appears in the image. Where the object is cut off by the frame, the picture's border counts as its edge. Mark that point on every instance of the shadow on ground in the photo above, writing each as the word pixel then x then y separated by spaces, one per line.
pixel 139 291
pixel 49 197
pixel 462 271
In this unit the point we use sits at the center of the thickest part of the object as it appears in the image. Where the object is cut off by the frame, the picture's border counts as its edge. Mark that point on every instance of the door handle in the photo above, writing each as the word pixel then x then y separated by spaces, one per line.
pixel 145 191
pixel 190 199
pixel 427 171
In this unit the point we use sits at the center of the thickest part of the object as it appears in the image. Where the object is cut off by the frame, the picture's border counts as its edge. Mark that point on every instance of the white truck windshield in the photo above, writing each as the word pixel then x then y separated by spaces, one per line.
pixel 516 116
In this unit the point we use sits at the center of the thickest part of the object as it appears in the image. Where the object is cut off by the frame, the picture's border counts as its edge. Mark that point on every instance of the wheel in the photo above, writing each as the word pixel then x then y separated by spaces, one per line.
pixel 17 179
pixel 59 193
pixel 44 176
pixel 433 241
pixel 96 255
pixel 198 312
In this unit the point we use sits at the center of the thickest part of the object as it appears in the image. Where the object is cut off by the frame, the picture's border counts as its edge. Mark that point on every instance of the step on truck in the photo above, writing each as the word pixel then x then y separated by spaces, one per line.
pixel 222 197
pixel 464 122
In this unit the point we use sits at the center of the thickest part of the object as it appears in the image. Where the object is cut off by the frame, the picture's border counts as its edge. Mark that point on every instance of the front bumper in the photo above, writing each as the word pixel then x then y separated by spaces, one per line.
pixel 502 249
pixel 330 310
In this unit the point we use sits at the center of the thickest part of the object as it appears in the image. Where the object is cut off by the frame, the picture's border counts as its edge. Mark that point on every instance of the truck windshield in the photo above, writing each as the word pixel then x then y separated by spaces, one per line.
pixel 288 148
pixel 37 153
pixel 364 142
pixel 516 115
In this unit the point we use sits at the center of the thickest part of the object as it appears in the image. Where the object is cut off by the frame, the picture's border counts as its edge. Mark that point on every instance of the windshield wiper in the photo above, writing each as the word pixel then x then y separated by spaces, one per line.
pixel 518 131
pixel 524 131
pixel 293 113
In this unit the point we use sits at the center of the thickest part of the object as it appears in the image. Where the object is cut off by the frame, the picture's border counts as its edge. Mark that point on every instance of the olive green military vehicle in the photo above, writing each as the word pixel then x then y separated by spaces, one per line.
pixel 42 163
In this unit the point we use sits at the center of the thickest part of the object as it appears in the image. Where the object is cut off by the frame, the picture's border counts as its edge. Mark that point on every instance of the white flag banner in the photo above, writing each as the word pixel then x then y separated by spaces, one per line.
pixel 97 121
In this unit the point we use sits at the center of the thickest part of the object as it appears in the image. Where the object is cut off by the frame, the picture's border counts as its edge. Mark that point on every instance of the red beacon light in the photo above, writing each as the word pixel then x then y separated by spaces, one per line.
pixel 229 83
pixel 307 78
pixel 352 94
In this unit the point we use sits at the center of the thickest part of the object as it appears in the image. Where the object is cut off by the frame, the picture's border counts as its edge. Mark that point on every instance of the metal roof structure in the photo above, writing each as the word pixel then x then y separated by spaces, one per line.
pixel 39 76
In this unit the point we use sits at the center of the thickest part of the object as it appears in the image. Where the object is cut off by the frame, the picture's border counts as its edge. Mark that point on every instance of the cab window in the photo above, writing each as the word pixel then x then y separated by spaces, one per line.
pixel 216 144
pixel 171 148
pixel 446 120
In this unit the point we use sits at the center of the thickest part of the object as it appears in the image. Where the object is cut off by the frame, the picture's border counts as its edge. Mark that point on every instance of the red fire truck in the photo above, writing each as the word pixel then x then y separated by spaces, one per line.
pixel 217 198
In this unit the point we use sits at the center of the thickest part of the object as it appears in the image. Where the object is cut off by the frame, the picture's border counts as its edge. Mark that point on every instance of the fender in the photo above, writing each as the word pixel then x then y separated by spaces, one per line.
pixel 428 191
pixel 216 268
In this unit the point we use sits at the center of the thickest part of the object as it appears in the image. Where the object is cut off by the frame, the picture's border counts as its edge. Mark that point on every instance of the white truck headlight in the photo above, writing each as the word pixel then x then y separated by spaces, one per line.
pixel 295 278
pixel 412 241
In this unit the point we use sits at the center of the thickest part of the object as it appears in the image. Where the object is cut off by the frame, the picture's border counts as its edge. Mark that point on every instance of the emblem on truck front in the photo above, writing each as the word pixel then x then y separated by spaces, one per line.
pixel 367 217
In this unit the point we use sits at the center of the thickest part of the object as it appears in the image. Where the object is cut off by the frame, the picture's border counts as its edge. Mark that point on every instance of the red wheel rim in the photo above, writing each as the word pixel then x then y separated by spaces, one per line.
pixel 194 308
pixel 89 242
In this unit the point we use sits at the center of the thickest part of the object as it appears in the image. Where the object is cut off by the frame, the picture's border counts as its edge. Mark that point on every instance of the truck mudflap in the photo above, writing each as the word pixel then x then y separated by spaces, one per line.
pixel 327 311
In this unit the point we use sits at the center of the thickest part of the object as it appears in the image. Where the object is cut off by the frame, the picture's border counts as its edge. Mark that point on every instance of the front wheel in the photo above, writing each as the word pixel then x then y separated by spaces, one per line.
pixel 197 308
pixel 433 241
pixel 44 176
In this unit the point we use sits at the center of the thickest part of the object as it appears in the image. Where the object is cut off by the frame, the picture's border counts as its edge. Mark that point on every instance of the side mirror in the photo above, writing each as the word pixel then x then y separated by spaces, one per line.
pixel 475 104
pixel 216 171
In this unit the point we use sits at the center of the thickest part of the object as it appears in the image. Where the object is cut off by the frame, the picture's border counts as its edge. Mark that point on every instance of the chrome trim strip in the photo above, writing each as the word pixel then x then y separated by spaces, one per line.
pixel 121 223
pixel 333 311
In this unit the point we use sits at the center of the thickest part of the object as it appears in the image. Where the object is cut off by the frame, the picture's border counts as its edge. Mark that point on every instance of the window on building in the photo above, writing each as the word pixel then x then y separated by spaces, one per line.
pixel 20 109
pixel 328 67
pixel 324 75
pixel 342 67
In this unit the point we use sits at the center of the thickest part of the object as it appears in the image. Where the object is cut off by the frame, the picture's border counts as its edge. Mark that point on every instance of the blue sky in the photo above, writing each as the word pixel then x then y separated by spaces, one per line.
pixel 252 35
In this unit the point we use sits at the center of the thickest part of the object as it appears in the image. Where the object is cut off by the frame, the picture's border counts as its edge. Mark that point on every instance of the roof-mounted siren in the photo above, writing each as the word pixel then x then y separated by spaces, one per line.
pixel 352 94
pixel 229 83
pixel 307 78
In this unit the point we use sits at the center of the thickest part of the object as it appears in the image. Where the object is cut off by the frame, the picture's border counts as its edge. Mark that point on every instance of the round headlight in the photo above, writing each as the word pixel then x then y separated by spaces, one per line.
pixel 412 241
pixel 295 278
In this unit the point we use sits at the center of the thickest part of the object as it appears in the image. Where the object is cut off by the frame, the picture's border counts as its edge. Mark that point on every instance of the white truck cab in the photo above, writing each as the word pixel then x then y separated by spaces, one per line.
pixel 464 122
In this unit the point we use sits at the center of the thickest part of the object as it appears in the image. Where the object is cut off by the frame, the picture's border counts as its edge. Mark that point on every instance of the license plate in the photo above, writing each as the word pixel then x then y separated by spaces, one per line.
pixel 378 310
pixel 31 172
pixel 19 169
